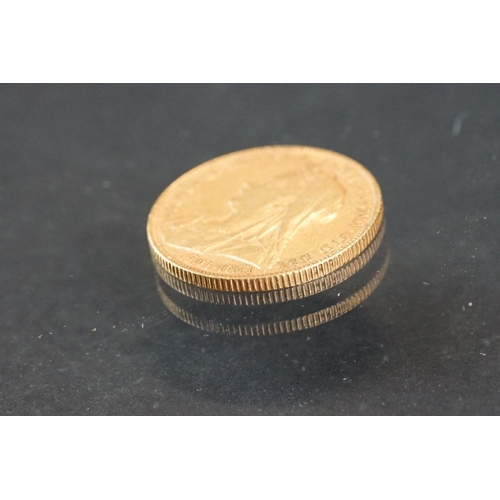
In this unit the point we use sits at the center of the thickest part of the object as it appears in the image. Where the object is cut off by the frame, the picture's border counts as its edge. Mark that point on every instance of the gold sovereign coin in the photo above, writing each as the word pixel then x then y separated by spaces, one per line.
pixel 265 218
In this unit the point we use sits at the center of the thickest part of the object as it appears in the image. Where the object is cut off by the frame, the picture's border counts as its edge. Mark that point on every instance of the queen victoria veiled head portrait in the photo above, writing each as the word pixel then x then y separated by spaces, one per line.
pixel 255 225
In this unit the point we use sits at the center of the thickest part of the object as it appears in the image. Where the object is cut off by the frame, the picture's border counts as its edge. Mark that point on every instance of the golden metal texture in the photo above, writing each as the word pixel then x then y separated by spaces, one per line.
pixel 298 323
pixel 274 296
pixel 265 218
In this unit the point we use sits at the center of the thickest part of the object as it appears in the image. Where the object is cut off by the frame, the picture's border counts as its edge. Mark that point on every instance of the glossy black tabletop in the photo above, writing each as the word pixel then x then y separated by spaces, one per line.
pixel 85 331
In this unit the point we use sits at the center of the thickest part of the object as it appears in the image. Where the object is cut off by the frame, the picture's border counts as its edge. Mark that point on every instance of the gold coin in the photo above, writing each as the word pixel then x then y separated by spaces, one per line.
pixel 265 218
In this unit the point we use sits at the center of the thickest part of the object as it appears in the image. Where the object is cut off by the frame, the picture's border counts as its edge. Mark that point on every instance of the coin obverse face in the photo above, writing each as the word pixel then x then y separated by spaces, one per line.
pixel 265 218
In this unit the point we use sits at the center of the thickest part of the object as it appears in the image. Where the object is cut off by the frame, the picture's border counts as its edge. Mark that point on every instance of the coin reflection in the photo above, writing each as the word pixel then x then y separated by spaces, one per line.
pixel 281 311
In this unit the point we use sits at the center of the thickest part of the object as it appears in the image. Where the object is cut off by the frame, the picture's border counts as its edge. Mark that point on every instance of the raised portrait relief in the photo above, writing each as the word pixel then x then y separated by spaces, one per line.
pixel 255 226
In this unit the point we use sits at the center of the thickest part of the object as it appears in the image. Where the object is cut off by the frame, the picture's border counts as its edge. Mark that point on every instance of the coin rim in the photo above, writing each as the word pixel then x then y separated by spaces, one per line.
pixel 298 292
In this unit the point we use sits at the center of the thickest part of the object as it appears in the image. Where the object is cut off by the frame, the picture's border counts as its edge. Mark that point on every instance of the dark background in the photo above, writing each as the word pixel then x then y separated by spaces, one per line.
pixel 83 330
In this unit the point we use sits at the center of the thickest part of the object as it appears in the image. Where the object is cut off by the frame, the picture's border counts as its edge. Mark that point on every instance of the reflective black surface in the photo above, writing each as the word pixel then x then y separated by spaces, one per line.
pixel 84 330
